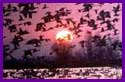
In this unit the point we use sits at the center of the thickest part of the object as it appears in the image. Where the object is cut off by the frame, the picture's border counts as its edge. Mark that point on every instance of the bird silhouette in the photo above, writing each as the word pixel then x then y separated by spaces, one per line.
pixel 115 20
pixel 22 32
pixel 115 44
pixel 110 26
pixel 7 22
pixel 96 38
pixel 51 28
pixel 20 18
pixel 87 15
pixel 57 16
pixel 45 6
pixel 48 17
pixel 32 7
pixel 120 45
pixel 103 14
pixel 63 12
pixel 7 10
pixel 40 26
pixel 16 40
pixel 35 42
pixel 91 23
pixel 99 42
pixel 116 10
pixel 62 9
pixel 107 14
pixel 77 34
pixel 102 30
pixel 14 9
pixel 43 39
pixel 79 10
pixel 27 23
pixel 87 7
pixel 28 10
pixel 82 43
pixel 69 20
pixel 27 52
pixel 96 11
pixel 82 21
pixel 116 31
pixel 12 28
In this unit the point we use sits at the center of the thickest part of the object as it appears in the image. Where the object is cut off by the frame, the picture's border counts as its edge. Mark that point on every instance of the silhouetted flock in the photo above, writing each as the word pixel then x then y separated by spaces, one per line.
pixel 103 49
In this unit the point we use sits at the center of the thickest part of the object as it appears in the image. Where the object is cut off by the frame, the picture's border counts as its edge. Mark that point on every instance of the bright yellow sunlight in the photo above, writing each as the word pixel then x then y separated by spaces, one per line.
pixel 64 36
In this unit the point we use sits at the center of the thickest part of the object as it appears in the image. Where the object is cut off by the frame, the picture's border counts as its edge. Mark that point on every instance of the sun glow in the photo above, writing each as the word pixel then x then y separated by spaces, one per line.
pixel 64 36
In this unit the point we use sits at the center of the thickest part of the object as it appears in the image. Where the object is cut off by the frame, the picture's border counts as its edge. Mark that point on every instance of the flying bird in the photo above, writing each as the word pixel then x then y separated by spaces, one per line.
pixel 20 18
pixel 62 9
pixel 28 10
pixel 116 10
pixel 7 10
pixel 87 7
pixel 116 31
pixel 91 23
pixel 35 42
pixel 110 26
pixel 14 9
pixel 82 43
pixel 22 32
pixel 27 52
pixel 96 11
pixel 115 20
pixel 16 40
pixel 82 21
pixel 27 23
pixel 103 15
pixel 40 26
pixel 87 15
pixel 12 28
pixel 102 30
pixel 48 17
pixel 7 22
pixel 45 6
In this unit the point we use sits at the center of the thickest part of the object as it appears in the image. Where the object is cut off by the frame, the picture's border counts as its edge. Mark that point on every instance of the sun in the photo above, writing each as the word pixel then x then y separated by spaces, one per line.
pixel 64 35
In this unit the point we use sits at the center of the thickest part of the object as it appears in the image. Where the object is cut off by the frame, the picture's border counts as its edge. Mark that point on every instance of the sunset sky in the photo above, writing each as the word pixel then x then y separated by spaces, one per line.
pixel 52 27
